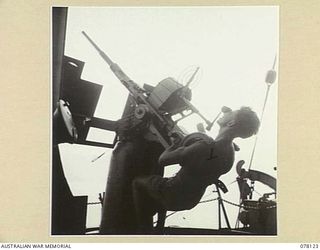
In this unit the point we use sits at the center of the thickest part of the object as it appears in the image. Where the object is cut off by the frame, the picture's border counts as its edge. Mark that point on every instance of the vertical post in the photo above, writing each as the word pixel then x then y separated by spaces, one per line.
pixel 59 22
pixel 221 205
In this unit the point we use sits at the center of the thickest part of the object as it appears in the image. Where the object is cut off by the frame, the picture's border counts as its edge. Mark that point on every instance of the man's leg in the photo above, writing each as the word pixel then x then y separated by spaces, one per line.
pixel 146 204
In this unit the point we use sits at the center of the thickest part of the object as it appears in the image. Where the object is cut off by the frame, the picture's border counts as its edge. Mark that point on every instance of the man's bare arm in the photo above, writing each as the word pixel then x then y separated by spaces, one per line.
pixel 182 155
pixel 171 155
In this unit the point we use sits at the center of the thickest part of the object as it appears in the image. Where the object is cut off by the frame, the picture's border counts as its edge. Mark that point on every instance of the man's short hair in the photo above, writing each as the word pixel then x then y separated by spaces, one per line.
pixel 247 122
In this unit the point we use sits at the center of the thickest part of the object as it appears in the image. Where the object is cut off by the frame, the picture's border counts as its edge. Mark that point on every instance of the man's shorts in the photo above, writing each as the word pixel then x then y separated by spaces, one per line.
pixel 172 193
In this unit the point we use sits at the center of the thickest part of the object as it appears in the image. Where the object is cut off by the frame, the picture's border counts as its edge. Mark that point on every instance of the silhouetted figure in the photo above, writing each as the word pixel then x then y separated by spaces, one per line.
pixel 202 159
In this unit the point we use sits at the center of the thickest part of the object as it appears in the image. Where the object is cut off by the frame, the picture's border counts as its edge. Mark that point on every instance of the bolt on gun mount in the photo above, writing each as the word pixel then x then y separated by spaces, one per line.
pixel 156 104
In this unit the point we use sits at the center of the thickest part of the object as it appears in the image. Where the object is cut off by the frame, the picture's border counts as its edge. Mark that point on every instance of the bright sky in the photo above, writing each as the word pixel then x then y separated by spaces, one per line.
pixel 234 48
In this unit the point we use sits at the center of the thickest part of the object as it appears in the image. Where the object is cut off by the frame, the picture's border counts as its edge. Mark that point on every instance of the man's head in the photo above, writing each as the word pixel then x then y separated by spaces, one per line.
pixel 241 123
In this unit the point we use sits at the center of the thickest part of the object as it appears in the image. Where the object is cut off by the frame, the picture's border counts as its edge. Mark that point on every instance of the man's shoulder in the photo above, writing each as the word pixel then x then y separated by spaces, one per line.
pixel 197 149
pixel 203 144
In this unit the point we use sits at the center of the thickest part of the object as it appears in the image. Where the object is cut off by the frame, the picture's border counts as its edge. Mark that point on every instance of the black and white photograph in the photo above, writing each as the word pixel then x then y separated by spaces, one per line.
pixel 164 120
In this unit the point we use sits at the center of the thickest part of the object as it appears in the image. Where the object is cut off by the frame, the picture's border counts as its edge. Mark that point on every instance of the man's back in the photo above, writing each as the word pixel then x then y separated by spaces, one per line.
pixel 202 164
pixel 207 161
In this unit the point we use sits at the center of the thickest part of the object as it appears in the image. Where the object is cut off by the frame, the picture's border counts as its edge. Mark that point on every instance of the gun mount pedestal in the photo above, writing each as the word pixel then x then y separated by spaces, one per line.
pixel 130 159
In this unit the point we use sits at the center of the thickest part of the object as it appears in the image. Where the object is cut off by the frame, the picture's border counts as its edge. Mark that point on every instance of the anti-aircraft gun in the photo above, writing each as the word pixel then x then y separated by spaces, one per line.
pixel 151 117
pixel 155 106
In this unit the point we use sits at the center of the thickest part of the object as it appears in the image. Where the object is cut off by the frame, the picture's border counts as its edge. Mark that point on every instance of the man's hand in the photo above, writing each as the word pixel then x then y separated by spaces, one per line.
pixel 176 140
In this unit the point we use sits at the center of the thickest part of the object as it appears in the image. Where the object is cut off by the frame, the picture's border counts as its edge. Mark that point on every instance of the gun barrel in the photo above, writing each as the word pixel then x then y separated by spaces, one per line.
pixel 163 127
pixel 115 68
pixel 103 55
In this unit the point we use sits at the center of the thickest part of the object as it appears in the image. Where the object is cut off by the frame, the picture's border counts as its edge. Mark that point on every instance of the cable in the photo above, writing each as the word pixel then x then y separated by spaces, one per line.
pixel 270 78
pixel 261 117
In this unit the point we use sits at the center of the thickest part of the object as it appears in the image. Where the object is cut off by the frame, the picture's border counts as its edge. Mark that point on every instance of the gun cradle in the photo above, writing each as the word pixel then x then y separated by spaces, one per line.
pixel 155 106
pixel 167 99
pixel 168 95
